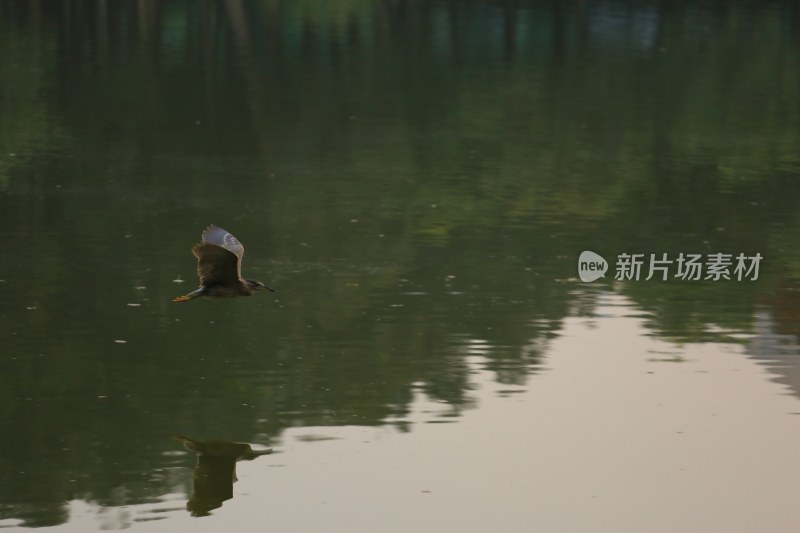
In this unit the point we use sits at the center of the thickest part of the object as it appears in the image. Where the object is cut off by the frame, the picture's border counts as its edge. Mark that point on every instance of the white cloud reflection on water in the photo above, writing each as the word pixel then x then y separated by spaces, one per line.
pixel 613 437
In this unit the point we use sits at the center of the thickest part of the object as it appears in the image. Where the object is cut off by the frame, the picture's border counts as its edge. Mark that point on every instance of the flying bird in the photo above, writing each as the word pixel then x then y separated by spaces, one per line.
pixel 219 267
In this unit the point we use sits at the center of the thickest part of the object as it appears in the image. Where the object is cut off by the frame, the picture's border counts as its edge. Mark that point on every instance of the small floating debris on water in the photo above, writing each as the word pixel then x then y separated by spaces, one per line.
pixel 506 392
pixel 314 437
pixel 177 280
pixel 134 305
pixel 173 453
pixel 31 308
pixel 140 288
pixel 120 341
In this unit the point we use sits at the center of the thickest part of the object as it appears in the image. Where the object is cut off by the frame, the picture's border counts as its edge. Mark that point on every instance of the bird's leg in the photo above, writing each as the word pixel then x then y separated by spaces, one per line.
pixel 187 297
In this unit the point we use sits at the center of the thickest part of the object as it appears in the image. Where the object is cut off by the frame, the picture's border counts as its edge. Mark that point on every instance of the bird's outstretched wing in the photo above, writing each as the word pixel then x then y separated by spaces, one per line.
pixel 219 257
pixel 219 237
pixel 190 444
pixel 215 265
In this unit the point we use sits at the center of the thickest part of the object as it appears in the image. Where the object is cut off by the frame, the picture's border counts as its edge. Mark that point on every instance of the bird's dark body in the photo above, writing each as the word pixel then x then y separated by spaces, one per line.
pixel 219 267
pixel 228 291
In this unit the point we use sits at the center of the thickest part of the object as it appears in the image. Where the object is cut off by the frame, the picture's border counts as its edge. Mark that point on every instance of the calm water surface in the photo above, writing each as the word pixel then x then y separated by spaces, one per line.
pixel 417 179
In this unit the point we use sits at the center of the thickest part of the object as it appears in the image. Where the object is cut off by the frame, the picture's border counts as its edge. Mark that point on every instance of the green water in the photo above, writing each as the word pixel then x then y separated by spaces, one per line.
pixel 409 176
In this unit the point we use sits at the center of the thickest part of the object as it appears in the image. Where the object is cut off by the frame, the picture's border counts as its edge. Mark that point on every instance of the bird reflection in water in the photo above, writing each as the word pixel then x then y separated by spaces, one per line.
pixel 215 471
